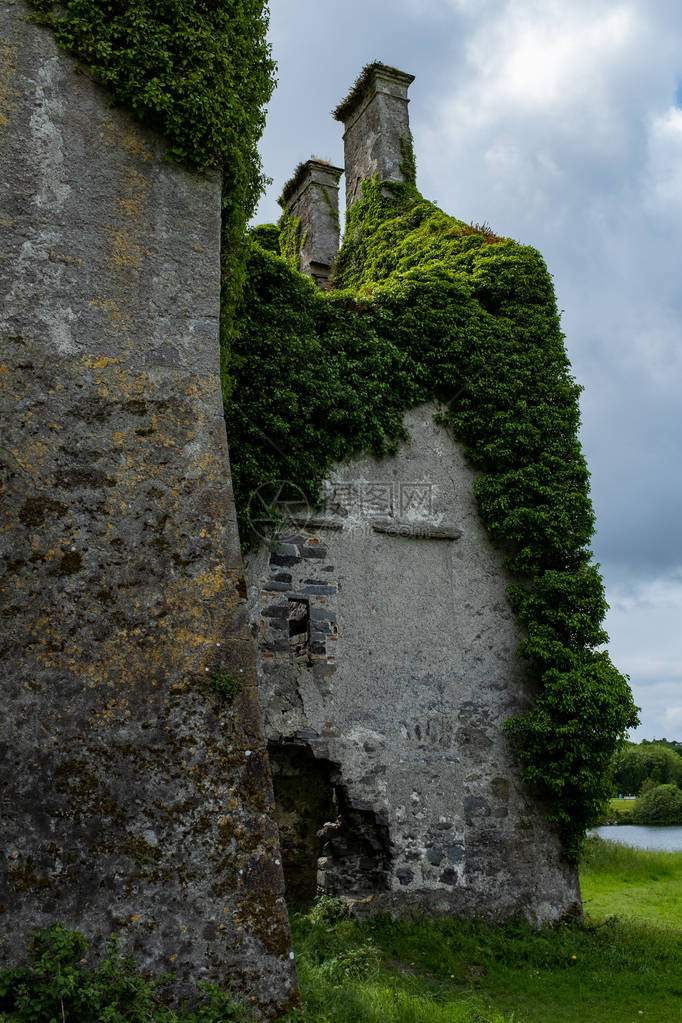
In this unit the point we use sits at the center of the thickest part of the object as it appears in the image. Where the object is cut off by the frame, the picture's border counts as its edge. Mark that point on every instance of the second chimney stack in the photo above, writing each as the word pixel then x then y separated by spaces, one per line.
pixel 312 196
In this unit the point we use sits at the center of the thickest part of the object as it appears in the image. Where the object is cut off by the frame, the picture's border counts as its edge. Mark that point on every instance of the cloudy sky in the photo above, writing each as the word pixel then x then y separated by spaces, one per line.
pixel 559 123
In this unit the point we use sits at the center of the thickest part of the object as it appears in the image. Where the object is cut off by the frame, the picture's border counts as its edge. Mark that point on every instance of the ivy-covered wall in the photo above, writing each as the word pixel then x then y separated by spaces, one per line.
pixel 423 307
pixel 198 72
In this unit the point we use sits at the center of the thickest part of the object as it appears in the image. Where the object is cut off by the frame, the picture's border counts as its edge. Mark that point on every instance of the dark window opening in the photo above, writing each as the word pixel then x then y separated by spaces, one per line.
pixel 326 843
pixel 299 627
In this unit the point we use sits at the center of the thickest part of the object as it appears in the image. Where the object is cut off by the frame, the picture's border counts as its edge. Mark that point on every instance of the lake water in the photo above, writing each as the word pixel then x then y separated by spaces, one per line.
pixel 667 839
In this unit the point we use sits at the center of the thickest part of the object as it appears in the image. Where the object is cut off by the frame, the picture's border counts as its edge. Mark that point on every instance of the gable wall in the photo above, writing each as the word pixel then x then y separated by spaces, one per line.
pixel 411 675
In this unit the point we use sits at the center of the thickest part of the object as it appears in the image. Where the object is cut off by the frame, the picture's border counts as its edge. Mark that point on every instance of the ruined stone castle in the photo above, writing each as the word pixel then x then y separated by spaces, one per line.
pixel 372 644
pixel 386 644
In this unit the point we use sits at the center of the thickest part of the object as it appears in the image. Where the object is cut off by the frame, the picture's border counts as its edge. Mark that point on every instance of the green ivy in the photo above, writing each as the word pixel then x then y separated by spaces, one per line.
pixel 197 71
pixel 291 239
pixel 425 307
pixel 408 164
pixel 225 685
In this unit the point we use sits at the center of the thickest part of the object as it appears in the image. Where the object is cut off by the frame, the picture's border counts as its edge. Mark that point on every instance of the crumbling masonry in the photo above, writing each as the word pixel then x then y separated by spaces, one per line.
pixel 387 657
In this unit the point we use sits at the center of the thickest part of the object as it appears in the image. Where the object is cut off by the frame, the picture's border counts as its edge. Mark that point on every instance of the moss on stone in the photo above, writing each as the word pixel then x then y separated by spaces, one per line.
pixel 23 876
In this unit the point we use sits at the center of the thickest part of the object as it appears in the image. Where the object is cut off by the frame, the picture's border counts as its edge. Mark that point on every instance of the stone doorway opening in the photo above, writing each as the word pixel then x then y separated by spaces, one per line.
pixel 328 845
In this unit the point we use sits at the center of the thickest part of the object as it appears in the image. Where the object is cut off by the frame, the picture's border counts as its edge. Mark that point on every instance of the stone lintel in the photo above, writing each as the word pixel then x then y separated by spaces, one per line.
pixel 416 530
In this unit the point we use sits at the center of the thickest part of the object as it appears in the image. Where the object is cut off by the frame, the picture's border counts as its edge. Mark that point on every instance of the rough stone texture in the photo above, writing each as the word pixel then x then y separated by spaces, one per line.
pixel 409 674
pixel 133 798
pixel 377 130
pixel 313 197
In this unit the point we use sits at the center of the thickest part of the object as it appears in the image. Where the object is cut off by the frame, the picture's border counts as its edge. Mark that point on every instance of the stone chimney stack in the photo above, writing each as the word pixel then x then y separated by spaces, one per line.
pixel 377 137
pixel 312 196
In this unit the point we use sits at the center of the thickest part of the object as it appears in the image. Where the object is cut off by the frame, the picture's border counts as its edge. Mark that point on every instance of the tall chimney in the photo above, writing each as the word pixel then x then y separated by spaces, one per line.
pixel 312 195
pixel 377 138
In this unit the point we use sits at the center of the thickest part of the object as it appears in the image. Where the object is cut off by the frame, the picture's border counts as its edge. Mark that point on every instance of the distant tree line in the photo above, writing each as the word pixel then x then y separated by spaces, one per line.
pixel 652 771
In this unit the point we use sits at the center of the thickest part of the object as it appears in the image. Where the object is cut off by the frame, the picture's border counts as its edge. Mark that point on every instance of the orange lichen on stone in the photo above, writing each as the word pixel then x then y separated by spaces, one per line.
pixel 99 361
pixel 130 139
pixel 127 247
pixel 63 257
pixel 8 67
pixel 113 311
pixel 125 251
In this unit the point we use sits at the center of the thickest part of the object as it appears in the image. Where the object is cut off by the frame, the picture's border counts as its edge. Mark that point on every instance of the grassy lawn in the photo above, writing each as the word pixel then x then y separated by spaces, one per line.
pixel 619 808
pixel 451 971
pixel 630 883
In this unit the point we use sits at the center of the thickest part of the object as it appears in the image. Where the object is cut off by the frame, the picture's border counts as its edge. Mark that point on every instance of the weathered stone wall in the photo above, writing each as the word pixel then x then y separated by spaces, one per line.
pixel 134 799
pixel 410 671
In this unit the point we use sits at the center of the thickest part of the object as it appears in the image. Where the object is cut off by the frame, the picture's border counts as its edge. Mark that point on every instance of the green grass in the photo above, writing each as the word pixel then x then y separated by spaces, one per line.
pixel 618 967
pixel 618 810
pixel 635 884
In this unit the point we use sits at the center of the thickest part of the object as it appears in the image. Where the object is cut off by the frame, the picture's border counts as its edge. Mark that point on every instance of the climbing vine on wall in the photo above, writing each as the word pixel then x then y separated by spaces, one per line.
pixel 291 239
pixel 424 307
pixel 197 71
